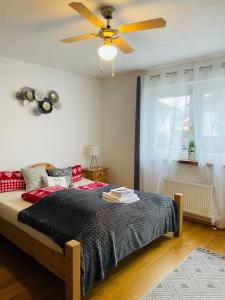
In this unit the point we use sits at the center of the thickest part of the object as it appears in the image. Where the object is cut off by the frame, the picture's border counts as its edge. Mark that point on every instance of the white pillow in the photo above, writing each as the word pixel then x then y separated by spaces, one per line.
pixel 56 181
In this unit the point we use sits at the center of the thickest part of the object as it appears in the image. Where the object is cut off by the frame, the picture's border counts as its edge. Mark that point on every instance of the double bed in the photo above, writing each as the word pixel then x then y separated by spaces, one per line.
pixel 64 261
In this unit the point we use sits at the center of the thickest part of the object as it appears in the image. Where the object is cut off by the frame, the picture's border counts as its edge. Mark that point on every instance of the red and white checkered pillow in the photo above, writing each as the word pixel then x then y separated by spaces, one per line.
pixel 11 181
pixel 77 173
pixel 36 195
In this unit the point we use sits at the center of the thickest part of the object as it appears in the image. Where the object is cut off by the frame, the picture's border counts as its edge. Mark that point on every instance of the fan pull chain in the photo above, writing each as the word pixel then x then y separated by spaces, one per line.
pixel 113 68
pixel 101 65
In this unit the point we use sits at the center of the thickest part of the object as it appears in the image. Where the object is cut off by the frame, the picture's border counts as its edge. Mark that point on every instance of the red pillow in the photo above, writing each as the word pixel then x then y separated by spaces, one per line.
pixel 77 173
pixel 90 186
pixel 36 195
pixel 11 181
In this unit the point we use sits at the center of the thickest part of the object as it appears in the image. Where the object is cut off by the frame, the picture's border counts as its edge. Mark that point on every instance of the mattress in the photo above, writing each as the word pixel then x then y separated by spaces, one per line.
pixel 11 203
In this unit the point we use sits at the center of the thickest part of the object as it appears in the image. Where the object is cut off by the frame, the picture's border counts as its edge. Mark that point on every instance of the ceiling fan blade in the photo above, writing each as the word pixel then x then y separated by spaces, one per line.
pixel 78 38
pixel 144 25
pixel 86 13
pixel 123 45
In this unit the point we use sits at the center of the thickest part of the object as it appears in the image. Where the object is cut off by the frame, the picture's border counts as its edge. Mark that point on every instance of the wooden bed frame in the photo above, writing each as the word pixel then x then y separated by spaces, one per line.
pixel 65 266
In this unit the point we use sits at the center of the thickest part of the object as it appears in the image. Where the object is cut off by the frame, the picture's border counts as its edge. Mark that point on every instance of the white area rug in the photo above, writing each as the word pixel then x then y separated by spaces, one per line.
pixel 200 277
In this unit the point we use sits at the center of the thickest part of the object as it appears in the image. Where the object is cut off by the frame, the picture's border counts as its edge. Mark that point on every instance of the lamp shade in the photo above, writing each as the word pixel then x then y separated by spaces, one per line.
pixel 93 150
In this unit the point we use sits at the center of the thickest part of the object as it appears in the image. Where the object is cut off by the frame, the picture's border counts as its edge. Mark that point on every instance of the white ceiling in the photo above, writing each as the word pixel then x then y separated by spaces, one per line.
pixel 30 31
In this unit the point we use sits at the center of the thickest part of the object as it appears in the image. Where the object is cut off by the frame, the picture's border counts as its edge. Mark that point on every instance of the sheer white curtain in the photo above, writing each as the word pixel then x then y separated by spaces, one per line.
pixel 209 124
pixel 165 93
pixel 163 105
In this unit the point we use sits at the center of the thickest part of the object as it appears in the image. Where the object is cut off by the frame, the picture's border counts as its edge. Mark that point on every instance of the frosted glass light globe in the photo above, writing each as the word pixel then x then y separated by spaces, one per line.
pixel 107 52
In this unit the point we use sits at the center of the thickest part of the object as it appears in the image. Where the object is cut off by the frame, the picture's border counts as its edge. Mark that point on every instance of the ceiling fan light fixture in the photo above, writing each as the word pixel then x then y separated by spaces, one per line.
pixel 108 34
pixel 107 52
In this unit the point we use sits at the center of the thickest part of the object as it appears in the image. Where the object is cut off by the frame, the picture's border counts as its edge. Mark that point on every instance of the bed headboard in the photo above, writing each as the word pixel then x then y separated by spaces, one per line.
pixel 45 165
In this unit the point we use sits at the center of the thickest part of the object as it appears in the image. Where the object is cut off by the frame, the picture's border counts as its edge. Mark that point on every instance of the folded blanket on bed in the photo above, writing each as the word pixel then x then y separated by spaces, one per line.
pixel 107 232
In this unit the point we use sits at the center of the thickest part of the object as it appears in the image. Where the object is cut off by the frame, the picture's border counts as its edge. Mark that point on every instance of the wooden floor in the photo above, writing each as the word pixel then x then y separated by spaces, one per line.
pixel 21 278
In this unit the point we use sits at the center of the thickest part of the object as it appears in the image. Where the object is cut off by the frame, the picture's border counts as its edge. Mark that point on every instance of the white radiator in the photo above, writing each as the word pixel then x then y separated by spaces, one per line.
pixel 197 197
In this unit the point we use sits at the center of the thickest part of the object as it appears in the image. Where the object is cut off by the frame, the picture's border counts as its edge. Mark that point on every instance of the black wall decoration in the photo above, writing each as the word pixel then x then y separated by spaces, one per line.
pixel 41 103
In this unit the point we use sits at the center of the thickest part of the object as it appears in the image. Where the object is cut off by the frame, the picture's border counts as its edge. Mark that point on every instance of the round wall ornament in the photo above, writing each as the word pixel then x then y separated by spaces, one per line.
pixel 39 95
pixel 53 96
pixel 26 102
pixel 19 96
pixel 46 106
pixel 41 104
pixel 28 94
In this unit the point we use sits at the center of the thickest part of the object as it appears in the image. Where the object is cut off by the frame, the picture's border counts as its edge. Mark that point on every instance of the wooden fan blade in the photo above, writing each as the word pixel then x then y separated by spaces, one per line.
pixel 78 38
pixel 86 13
pixel 144 25
pixel 123 45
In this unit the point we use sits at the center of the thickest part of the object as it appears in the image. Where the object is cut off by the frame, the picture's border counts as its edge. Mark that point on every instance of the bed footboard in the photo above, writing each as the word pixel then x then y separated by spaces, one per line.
pixel 66 267
pixel 72 252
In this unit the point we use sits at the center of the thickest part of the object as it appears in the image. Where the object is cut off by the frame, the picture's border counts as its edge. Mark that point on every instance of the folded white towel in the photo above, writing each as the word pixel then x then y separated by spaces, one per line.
pixel 121 191
pixel 120 201
pixel 112 198
pixel 122 197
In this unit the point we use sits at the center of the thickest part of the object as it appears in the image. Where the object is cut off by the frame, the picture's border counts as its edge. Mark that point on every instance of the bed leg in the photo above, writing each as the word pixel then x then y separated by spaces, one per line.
pixel 72 252
pixel 178 198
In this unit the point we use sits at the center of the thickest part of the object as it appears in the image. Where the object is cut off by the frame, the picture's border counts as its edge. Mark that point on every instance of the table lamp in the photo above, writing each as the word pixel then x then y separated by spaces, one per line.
pixel 94 152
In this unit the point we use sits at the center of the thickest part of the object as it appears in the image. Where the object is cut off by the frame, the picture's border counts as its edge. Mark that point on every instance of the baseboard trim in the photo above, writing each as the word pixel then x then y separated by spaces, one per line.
pixel 198 219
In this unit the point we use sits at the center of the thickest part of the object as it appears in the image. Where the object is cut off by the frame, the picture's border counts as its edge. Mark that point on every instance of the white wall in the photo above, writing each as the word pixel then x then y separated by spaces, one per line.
pixel 119 98
pixel 59 137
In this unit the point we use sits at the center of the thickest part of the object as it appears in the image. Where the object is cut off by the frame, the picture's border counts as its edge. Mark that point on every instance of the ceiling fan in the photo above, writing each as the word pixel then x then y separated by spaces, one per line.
pixel 109 35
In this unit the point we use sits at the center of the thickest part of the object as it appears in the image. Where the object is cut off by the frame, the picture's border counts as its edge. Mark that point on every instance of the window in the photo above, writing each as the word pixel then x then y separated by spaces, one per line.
pixel 182 104
pixel 213 123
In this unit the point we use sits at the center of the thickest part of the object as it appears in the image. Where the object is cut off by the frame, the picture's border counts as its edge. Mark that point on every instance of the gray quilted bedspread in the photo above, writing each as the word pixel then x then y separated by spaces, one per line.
pixel 107 231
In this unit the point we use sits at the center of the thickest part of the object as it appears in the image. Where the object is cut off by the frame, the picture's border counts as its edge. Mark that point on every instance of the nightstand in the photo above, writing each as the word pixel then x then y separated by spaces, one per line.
pixel 96 174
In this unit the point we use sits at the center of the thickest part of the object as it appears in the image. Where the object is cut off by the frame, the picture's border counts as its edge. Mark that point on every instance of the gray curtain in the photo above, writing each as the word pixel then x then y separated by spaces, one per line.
pixel 137 136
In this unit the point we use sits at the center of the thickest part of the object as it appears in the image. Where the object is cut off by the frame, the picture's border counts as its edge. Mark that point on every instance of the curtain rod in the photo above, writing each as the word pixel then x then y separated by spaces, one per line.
pixel 188 70
pixel 206 67
pixel 154 76
pixel 171 73
pixel 202 68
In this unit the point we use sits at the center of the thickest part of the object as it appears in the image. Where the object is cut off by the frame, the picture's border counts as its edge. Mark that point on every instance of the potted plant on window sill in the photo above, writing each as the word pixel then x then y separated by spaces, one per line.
pixel 191 150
